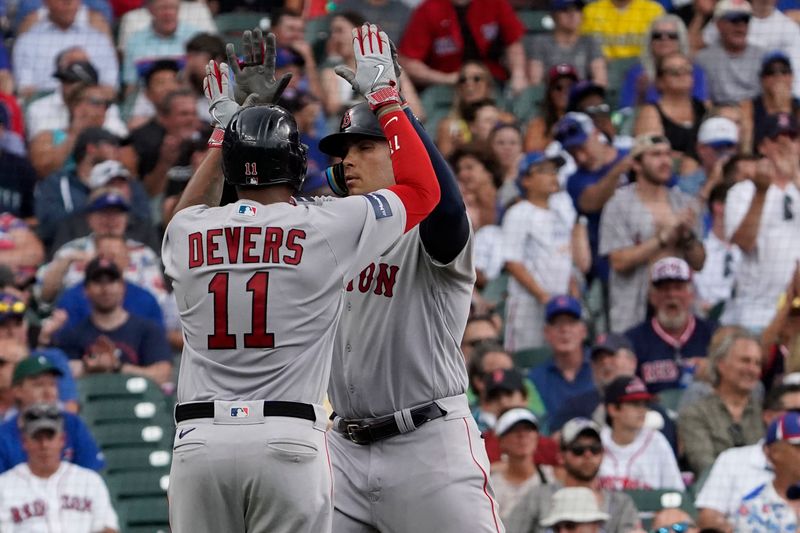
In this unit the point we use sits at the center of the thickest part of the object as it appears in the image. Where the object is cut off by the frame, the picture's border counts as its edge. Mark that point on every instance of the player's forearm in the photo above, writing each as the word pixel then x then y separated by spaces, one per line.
pixel 416 184
pixel 446 230
pixel 205 186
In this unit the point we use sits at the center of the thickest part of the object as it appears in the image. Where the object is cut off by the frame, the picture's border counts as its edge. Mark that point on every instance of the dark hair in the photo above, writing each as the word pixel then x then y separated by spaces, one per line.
pixel 773 398
pixel 483 155
pixel 92 136
pixel 350 16
pixel 279 14
pixel 718 194
pixel 730 168
pixel 471 110
pixel 165 107
pixel 208 44
pixel 159 65
pixel 475 369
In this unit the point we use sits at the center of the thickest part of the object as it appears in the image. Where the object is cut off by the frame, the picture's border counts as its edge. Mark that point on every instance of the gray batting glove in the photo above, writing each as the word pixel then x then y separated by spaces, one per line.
pixel 255 78
pixel 374 77
pixel 216 87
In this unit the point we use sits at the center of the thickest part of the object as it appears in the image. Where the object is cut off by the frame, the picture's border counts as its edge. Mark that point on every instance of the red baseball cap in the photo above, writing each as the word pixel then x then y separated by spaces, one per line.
pixel 627 389
pixel 562 70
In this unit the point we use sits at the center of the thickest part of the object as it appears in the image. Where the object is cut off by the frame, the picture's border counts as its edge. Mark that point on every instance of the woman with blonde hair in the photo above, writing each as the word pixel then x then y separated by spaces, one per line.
pixel 667 35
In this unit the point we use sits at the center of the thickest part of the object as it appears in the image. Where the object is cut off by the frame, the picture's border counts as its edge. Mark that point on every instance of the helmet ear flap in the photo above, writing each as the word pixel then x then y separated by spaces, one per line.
pixel 335 177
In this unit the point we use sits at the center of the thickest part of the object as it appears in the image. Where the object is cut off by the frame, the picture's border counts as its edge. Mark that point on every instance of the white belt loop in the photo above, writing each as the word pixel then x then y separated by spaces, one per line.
pixel 404 421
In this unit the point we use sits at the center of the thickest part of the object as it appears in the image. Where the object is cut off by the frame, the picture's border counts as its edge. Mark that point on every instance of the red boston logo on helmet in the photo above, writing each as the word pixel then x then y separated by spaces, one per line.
pixel 345 120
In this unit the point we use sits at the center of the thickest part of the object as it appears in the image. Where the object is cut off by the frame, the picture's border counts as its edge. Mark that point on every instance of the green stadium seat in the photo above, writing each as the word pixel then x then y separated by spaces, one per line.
pixel 536 21
pixel 144 484
pixel 437 101
pixel 116 410
pixel 496 289
pixel 532 357
pixel 111 386
pixel 136 459
pixel 616 76
pixel 648 502
pixel 231 25
pixel 670 398
pixel 151 512
pixel 527 105
pixel 134 434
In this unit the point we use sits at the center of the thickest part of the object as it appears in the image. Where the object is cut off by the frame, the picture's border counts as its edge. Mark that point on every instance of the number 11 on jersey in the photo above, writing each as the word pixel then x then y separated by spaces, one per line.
pixel 221 339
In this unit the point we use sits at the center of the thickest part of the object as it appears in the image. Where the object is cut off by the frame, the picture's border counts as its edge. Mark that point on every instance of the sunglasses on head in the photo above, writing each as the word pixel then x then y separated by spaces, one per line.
pixel 580 449
pixel 17 307
pixel 677 527
pixel 474 79
pixel 40 412
pixel 599 109
pixel 676 71
pixel 665 36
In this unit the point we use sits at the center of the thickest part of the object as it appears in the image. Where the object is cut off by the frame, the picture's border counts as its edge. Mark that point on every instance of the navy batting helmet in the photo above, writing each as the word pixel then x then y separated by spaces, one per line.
pixel 261 147
pixel 358 120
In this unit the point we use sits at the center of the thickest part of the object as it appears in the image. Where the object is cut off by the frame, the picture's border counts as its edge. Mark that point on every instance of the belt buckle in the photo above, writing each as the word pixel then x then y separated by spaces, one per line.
pixel 350 433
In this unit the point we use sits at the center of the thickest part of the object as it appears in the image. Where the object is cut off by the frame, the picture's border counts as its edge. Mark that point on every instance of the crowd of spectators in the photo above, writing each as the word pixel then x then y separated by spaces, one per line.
pixel 631 169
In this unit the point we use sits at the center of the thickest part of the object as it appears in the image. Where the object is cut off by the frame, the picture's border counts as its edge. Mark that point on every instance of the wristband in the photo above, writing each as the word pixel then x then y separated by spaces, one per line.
pixel 383 96
pixel 215 141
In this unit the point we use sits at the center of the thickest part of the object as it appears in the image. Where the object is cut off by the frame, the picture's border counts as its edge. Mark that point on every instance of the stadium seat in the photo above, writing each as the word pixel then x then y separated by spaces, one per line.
pixel 648 502
pixel 110 386
pixel 616 76
pixel 136 459
pixel 437 101
pixel 144 484
pixel 135 434
pixel 669 399
pixel 149 512
pixel 116 410
pixel 527 105
pixel 231 25
pixel 532 357
pixel 536 21
pixel 496 289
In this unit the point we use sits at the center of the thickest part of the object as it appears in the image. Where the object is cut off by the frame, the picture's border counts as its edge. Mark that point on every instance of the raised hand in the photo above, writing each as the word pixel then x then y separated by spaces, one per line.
pixel 375 76
pixel 215 87
pixel 255 78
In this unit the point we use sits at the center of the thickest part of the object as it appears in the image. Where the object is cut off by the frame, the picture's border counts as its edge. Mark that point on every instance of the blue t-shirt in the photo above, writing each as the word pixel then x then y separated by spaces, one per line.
pixel 627 94
pixel 79 448
pixel 138 301
pixel 576 184
pixel 554 389
pixel 659 362
pixel 141 341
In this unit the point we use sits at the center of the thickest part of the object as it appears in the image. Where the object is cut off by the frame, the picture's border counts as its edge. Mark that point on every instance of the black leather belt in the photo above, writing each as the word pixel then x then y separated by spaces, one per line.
pixel 188 411
pixel 366 432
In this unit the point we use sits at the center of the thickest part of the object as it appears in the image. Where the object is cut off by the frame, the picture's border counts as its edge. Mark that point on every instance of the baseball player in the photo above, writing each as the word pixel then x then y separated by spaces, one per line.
pixel 49 494
pixel 407 455
pixel 260 285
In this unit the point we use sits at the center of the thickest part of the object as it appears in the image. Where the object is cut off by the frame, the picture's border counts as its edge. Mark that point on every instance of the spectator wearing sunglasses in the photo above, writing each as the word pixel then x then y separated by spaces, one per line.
pixel 731 415
pixel 777 78
pixel 762 217
pixel 590 98
pixel 565 44
pixel 767 508
pixel 539 130
pixel 581 455
pixel 676 114
pixel 672 520
pixel 667 35
pixel 732 64
pixel 737 470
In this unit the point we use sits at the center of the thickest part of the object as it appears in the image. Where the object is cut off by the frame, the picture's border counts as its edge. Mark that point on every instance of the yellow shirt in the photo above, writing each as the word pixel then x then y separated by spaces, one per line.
pixel 620 31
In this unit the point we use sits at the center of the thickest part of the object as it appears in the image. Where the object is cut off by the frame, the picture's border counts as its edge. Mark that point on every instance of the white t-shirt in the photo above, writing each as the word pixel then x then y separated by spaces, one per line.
pixel 645 463
pixel 488 250
pixel 509 494
pixel 715 282
pixel 73 500
pixel 51 113
pixel 764 511
pixel 764 272
pixel 540 240
pixel 735 472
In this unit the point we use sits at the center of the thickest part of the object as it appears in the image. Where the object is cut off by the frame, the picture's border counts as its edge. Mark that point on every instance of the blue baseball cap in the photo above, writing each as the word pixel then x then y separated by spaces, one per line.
pixel 534 158
pixel 775 56
pixel 563 304
pixel 106 200
pixel 560 5
pixel 784 428
pixel 573 129
pixel 581 90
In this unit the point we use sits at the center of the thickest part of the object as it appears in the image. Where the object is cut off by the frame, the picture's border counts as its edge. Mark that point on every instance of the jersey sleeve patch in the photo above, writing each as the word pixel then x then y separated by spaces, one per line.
pixel 380 205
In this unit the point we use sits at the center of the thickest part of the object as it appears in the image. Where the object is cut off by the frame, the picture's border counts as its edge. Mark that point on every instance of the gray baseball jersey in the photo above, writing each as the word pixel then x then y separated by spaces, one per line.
pixel 398 343
pixel 260 289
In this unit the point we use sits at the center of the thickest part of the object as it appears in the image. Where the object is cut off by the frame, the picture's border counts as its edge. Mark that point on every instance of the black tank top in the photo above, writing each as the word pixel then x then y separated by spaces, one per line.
pixel 683 138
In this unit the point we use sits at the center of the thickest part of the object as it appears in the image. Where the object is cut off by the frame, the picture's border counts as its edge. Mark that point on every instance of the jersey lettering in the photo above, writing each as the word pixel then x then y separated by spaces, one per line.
pixel 384 280
pixel 254 244
pixel 76 503
pixel 28 510
pixel 221 339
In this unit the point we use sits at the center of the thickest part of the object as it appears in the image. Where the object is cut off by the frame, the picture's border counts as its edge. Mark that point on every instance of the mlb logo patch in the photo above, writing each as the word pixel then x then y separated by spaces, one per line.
pixel 247 210
pixel 240 412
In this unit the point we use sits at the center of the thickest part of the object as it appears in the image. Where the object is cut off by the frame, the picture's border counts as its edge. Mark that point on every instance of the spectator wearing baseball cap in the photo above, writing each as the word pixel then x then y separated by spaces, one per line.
pixel 515 473
pixel 636 457
pixel 770 503
pixel 777 81
pixel 631 239
pixel 568 373
pixel 600 168
pixel 581 456
pixel 35 381
pixel 539 130
pixel 762 217
pixel 671 346
pixel 732 62
pixel 589 97
pixel 541 243
pixel 565 44
pixel 717 142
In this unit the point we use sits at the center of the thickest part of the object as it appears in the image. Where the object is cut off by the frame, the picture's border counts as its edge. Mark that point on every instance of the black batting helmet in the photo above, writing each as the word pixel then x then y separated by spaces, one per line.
pixel 261 147
pixel 358 120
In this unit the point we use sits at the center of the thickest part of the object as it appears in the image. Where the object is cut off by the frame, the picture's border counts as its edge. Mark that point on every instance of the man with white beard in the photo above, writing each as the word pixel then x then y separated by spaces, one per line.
pixel 671 346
